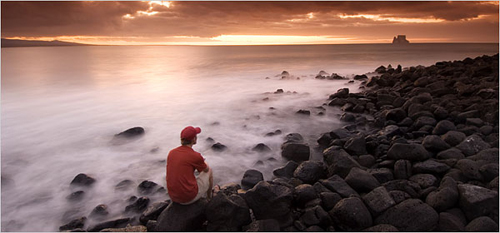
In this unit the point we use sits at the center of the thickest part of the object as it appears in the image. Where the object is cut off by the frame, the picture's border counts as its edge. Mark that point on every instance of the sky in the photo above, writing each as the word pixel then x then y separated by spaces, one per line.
pixel 250 23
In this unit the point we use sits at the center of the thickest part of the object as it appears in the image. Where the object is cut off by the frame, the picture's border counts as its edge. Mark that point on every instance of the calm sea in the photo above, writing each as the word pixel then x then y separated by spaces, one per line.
pixel 61 106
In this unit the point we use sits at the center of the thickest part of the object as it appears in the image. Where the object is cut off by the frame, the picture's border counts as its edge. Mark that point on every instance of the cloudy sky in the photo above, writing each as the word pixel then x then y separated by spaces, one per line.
pixel 206 23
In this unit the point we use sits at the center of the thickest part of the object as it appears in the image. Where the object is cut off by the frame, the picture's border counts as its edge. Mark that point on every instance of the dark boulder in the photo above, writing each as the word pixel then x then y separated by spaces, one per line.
pixel 82 180
pixel 270 201
pixel 378 200
pixel 361 181
pixel 430 166
pixel 409 187
pixel 435 143
pixel 443 127
pixel 251 178
pixel 489 171
pixel 445 197
pixel 304 112
pixel 476 201
pixel 412 152
pixel 339 160
pixel 453 138
pixel 303 194
pixel 124 185
pixel 341 93
pixel 382 174
pixel 73 224
pixel 356 145
pixel 452 153
pixel 310 172
pixel 138 206
pixel 410 215
pixel 423 121
pixel 482 224
pixel 424 180
pixel 99 212
pixel 131 133
pixel 76 196
pixel 117 223
pixel 329 200
pixel 470 169
pixel 450 222
pixel 287 170
pixel 397 115
pixel 227 213
pixel 147 187
pixel 488 155
pixel 153 211
pixel 218 147
pixel 402 169
pixel 351 214
pixel 336 184
pixel 177 217
pixel 265 225
pixel 261 148
pixel 297 152
pixel 472 145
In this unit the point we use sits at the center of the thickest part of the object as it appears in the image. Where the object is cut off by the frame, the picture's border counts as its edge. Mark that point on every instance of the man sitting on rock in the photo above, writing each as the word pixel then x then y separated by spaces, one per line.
pixel 183 186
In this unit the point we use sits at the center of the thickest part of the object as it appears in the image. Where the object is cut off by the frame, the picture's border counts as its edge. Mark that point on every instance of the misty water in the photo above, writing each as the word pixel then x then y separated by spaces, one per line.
pixel 61 107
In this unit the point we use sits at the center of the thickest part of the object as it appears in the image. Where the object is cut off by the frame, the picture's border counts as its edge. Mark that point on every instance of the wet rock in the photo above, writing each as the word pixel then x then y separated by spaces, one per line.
pixel 424 180
pixel 452 153
pixel 482 224
pixel 476 201
pixel 310 172
pixel 131 133
pixel 402 169
pixel 146 187
pixel 99 212
pixel 251 178
pixel 219 147
pixel 325 140
pixel 381 228
pixel 378 200
pixel 117 223
pixel 445 197
pixel 262 148
pixel 348 117
pixel 412 152
pixel 356 145
pixel 138 206
pixel 340 133
pixel 329 199
pixel 227 213
pixel 361 180
pixel 153 211
pixel 341 93
pixel 76 196
pixel 472 145
pixel 124 185
pixel 265 225
pixel 351 214
pixel 443 127
pixel 128 228
pixel 450 222
pixel 73 224
pixel 270 201
pixel 287 170
pixel 410 215
pixel 304 112
pixel 336 184
pixel 397 115
pixel 303 194
pixel 177 217
pixel 297 152
pixel 435 143
pixel 83 180
pixel 430 166
pixel 339 160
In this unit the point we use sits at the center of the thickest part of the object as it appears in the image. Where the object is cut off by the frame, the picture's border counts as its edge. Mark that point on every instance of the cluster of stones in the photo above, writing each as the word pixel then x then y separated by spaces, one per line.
pixel 419 153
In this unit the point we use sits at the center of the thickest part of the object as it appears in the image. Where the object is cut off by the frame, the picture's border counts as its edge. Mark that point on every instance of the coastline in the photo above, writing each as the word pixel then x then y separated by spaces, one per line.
pixel 394 166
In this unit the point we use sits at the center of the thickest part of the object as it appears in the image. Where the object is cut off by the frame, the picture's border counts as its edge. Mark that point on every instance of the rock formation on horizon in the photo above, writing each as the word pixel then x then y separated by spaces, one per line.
pixel 401 39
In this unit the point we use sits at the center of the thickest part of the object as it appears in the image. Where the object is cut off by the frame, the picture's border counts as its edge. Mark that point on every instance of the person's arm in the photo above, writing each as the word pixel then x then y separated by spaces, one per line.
pixel 206 169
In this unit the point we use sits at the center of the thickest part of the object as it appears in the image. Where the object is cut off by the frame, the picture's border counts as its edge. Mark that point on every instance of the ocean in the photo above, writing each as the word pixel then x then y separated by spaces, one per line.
pixel 61 107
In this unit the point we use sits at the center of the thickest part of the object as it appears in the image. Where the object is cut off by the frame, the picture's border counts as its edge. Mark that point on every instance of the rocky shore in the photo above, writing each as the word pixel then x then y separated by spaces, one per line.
pixel 419 152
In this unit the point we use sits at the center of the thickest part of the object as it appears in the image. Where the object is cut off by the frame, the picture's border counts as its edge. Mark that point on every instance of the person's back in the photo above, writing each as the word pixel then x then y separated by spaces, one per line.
pixel 182 185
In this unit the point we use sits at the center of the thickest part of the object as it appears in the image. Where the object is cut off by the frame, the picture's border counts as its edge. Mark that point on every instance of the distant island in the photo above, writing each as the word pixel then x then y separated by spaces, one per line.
pixel 36 43
pixel 401 39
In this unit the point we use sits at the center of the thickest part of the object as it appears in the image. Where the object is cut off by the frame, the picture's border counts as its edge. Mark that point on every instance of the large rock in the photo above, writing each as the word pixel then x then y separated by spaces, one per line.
pixel 361 180
pixel 251 178
pixel 410 215
pixel 452 153
pixel 453 138
pixel 351 214
pixel 287 170
pixel 153 211
pixel 488 155
pixel 227 213
pixel 402 169
pixel 304 193
pixel 412 152
pixel 430 166
pixel 445 197
pixel 470 169
pixel 443 127
pixel 435 143
pixel 476 201
pixel 423 121
pixel 82 180
pixel 73 224
pixel 116 223
pixel 450 222
pixel 424 180
pixel 336 184
pixel 397 115
pixel 378 200
pixel 146 187
pixel 310 172
pixel 482 224
pixel 472 145
pixel 131 133
pixel 297 152
pixel 177 217
pixel 339 160
pixel 270 201
pixel 356 145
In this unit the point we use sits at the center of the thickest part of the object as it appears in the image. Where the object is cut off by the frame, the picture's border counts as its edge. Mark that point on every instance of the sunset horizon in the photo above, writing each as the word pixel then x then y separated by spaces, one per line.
pixel 250 23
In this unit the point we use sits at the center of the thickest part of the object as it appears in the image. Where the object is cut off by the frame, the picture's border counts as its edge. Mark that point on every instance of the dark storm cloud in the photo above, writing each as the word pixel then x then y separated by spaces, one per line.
pixel 208 19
